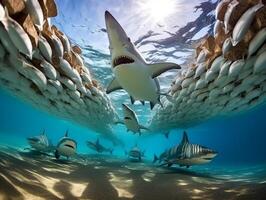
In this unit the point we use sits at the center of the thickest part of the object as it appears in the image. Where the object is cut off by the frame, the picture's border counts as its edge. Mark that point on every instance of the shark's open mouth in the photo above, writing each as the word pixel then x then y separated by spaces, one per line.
pixel 122 60
pixel 207 158
pixel 68 145
pixel 33 140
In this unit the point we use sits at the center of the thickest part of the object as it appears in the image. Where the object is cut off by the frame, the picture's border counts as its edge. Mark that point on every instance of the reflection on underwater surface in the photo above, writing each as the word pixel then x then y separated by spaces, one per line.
pixel 26 175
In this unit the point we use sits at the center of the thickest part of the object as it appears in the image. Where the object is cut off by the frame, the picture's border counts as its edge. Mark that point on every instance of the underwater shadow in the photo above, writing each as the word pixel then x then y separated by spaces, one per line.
pixel 188 172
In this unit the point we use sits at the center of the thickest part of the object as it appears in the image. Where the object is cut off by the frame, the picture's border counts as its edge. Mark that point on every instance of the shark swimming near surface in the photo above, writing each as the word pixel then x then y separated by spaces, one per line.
pixel 186 154
pixel 132 73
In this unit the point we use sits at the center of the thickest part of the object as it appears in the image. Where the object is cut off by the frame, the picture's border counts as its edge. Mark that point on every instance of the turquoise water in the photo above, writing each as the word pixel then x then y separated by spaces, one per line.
pixel 240 140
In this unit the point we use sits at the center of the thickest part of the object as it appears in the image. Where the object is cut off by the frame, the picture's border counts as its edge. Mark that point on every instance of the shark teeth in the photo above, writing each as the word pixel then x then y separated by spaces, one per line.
pixel 122 60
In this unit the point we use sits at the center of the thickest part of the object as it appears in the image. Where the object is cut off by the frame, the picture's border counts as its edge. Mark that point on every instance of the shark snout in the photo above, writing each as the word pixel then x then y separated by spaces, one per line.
pixel 108 15
pixel 110 20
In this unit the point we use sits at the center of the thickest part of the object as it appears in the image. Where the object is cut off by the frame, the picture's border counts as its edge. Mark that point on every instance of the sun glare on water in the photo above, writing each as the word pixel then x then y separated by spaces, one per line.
pixel 158 10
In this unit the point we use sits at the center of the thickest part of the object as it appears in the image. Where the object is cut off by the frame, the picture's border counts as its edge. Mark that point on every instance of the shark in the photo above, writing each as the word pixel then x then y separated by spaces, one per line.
pixel 96 146
pixel 135 153
pixel 66 147
pixel 131 121
pixel 187 154
pixel 40 143
pixel 131 72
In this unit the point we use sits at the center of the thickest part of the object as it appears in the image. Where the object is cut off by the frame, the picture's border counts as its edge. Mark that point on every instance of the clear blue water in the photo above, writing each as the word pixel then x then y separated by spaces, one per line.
pixel 240 140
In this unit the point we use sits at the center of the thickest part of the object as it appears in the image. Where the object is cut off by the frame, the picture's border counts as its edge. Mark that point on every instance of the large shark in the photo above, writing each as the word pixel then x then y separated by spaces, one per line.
pixel 186 154
pixel 132 73
pixel 96 146
pixel 135 153
pixel 66 147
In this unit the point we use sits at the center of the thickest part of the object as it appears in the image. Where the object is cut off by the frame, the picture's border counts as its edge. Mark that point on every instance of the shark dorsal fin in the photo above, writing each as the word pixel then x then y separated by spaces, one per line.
pixel 185 138
pixel 66 133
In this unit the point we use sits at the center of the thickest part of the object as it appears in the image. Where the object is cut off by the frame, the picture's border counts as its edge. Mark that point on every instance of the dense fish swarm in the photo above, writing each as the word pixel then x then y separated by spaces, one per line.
pixel 40 65
pixel 229 71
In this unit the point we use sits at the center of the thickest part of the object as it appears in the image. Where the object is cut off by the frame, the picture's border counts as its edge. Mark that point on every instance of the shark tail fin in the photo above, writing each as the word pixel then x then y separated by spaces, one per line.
pixel 155 158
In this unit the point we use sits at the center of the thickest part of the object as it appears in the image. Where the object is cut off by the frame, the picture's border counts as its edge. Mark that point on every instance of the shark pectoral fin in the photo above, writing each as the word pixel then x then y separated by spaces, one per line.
pixel 168 164
pixel 119 122
pixel 114 85
pixel 143 127
pixel 159 68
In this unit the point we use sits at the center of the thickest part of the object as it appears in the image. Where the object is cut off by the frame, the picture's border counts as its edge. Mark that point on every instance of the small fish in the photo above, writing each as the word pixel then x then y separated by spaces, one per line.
pixel 244 23
pixel 34 9
pixel 17 35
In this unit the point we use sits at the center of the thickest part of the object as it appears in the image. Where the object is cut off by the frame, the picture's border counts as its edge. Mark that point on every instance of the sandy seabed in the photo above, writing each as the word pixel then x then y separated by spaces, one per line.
pixel 29 175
